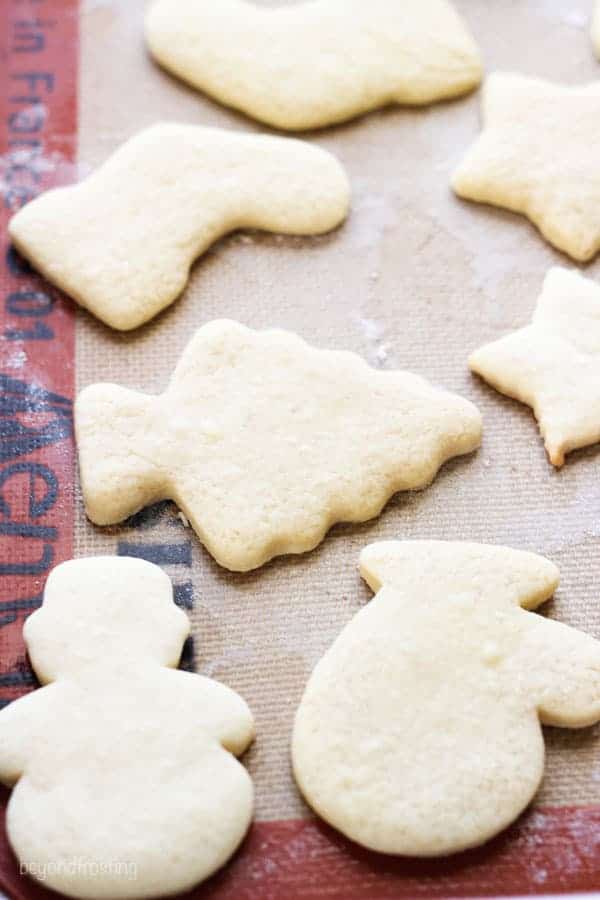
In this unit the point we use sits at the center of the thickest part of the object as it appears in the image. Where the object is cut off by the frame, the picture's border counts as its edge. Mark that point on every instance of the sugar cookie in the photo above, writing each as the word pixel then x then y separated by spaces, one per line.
pixel 553 364
pixel 595 31
pixel 123 774
pixel 537 156
pixel 315 63
pixel 121 243
pixel 419 730
pixel 265 442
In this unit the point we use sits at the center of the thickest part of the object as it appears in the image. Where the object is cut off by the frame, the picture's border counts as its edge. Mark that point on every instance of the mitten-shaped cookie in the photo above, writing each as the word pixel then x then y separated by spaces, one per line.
pixel 124 771
pixel 419 730
pixel 264 442
pixel 122 242
pixel 309 64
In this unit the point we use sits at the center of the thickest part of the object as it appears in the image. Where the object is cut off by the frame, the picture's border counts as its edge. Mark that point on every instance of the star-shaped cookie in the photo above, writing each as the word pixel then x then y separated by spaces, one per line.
pixel 553 364
pixel 311 64
pixel 265 442
pixel 538 155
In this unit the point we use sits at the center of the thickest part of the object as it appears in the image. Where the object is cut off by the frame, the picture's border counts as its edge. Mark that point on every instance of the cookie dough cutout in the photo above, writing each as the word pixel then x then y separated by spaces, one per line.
pixel 595 31
pixel 537 156
pixel 121 242
pixel 121 763
pixel 553 365
pixel 265 442
pixel 315 63
pixel 419 730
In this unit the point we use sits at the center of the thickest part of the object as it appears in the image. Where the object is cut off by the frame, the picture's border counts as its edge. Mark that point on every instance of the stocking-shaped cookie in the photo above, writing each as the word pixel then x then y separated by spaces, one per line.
pixel 419 731
pixel 124 780
pixel 122 241
pixel 312 63
pixel 265 442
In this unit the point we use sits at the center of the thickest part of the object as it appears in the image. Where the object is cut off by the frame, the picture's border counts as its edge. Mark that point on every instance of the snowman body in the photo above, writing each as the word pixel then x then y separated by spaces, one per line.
pixel 125 782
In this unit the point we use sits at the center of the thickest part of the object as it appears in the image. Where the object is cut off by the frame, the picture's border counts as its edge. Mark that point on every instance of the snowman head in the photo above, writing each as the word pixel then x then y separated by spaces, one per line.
pixel 104 611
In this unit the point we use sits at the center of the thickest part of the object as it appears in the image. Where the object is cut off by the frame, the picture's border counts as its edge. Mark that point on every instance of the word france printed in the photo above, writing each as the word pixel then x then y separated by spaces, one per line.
pixel 37 149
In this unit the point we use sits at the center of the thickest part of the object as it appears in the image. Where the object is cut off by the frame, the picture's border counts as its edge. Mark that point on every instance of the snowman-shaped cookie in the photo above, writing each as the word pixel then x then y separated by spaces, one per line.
pixel 419 731
pixel 124 771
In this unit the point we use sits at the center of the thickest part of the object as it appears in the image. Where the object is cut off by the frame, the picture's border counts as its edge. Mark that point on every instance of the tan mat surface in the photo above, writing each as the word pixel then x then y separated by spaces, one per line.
pixel 416 279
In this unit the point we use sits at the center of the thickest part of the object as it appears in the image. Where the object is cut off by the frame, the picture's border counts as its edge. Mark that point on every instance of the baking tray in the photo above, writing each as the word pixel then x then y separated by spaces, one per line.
pixel 415 279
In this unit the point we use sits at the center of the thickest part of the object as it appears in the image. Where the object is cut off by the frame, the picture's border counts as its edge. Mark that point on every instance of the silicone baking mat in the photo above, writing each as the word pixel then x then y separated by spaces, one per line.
pixel 415 279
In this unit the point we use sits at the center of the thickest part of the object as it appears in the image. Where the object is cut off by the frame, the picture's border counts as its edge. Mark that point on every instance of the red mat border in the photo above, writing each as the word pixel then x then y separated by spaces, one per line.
pixel 38 131
pixel 548 851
